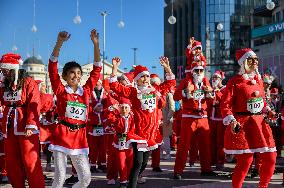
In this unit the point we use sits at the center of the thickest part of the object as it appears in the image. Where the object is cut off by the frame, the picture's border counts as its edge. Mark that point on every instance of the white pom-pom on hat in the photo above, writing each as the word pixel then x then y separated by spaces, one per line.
pixel 253 82
pixel 256 93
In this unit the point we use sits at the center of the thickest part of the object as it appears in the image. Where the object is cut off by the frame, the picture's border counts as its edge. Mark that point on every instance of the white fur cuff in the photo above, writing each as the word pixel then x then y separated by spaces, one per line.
pixel 183 93
pixel 170 76
pixel 98 64
pixel 53 59
pixel 31 127
pixel 228 119
pixel 113 79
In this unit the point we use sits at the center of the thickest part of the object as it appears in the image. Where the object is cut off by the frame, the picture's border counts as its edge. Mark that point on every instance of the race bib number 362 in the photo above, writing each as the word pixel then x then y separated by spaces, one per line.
pixel 148 102
pixel 76 110
pixel 198 94
pixel 255 105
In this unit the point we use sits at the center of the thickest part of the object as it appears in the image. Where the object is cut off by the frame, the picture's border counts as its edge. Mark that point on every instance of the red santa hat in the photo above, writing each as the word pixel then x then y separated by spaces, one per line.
pixel 154 78
pixel 124 102
pixel 11 61
pixel 140 71
pixel 267 78
pixel 219 74
pixel 200 64
pixel 243 54
pixel 274 91
pixel 195 45
pixel 128 77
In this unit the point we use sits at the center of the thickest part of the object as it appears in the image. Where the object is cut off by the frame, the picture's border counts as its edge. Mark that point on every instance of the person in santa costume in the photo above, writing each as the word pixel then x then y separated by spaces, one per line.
pixel 194 95
pixel 20 96
pixel 217 128
pixel 69 135
pixel 193 52
pixel 144 99
pixel 3 169
pixel 242 107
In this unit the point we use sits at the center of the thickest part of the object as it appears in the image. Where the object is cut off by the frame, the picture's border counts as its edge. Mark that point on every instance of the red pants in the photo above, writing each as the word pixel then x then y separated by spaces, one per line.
pixel 3 167
pixel 97 146
pixel 173 141
pixel 125 162
pixel 193 149
pixel 266 169
pixel 23 162
pixel 156 157
pixel 112 167
pixel 188 127
pixel 220 142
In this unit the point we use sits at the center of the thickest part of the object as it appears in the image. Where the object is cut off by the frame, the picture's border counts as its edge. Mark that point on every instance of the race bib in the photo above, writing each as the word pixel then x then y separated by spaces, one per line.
pixel 76 110
pixel 255 105
pixel 148 102
pixel 12 96
pixel 98 131
pixel 122 142
pixel 198 94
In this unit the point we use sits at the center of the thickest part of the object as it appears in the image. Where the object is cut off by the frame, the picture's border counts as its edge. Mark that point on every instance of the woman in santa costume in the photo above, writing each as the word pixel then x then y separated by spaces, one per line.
pixel 20 96
pixel 69 135
pixel 242 107
pixel 144 99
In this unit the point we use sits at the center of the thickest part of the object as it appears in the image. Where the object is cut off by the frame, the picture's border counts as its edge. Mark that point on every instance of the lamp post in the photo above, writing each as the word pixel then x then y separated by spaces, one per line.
pixel 104 14
pixel 219 28
pixel 134 50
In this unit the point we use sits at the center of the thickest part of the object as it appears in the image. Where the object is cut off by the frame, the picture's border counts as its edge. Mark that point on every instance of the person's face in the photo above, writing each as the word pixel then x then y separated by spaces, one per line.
pixel 197 51
pixel 274 97
pixel 252 64
pixel 124 110
pixel 266 86
pixel 123 82
pixel 198 71
pixel 42 88
pixel 143 80
pixel 98 85
pixel 73 77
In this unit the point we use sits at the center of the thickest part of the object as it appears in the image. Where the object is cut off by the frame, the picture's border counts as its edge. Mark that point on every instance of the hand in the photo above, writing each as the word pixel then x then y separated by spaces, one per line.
pixel 116 62
pixel 63 36
pixel 190 87
pixel 94 36
pixel 164 61
pixel 29 132
pixel 235 127
pixel 191 41
pixel 207 89
pixel 98 108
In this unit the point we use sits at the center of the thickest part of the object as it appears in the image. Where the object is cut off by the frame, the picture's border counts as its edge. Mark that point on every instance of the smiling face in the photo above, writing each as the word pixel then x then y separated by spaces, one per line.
pixel 197 51
pixel 73 77
pixel 144 80
pixel 251 64
pixel 124 109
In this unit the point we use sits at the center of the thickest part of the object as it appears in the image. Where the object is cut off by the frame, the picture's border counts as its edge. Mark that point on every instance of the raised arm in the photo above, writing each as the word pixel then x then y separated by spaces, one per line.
pixel 97 67
pixel 170 82
pixel 56 83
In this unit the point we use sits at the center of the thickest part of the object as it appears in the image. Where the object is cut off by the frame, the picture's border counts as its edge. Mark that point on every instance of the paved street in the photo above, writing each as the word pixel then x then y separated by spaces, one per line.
pixel 191 178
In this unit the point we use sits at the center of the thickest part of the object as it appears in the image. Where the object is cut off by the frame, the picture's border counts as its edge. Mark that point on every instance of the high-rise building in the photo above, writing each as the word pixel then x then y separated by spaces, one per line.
pixel 223 26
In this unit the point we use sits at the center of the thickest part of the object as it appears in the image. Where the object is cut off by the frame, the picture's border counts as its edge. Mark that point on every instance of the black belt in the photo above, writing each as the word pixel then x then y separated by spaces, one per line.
pixel 97 126
pixel 72 127
pixel 120 135
pixel 248 113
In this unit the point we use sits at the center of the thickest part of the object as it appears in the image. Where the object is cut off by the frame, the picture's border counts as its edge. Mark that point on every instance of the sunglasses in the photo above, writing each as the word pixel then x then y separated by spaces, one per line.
pixel 250 59
pixel 198 70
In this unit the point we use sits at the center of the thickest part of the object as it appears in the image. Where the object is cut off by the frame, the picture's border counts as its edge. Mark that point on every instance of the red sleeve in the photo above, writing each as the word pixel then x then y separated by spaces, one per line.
pixel 121 90
pixel 56 84
pixel 93 78
pixel 166 86
pixel 189 55
pixel 227 100
pixel 178 93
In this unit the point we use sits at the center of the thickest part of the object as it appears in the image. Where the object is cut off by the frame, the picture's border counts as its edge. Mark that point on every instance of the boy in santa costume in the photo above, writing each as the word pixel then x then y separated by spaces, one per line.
pixel 242 107
pixel 144 99
pixel 20 96
pixel 193 52
pixel 69 135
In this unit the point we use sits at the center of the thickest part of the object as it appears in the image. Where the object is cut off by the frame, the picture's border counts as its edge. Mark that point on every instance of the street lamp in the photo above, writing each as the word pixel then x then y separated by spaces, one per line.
pixel 172 20
pixel 104 14
pixel 270 5
pixel 219 28
pixel 134 50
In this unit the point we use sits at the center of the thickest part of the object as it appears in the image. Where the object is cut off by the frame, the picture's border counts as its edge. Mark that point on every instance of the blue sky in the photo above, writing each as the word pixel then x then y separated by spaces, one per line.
pixel 143 29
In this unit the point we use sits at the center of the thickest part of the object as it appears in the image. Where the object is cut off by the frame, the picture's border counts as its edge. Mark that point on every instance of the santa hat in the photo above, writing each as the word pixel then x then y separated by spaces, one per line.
pixel 140 71
pixel 267 78
pixel 11 61
pixel 219 74
pixel 195 45
pixel 274 91
pixel 124 102
pixel 128 77
pixel 154 78
pixel 243 54
pixel 200 64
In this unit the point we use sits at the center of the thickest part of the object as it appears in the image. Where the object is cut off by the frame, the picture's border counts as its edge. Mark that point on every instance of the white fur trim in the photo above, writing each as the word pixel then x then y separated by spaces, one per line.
pixel 183 93
pixel 9 66
pixel 245 56
pixel 2 154
pixel 193 116
pixel 53 59
pixel 193 48
pixel 282 117
pixel 188 47
pixel 187 71
pixel 228 119
pixel 82 151
pixel 113 79
pixel 47 142
pixel 155 79
pixel 170 76
pixel 31 127
pixel 256 93
pixel 253 82
pixel 141 74
pixel 257 150
pixel 98 64
pixel 69 90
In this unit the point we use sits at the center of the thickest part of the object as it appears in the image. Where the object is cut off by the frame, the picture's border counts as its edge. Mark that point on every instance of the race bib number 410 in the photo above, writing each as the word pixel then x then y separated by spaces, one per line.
pixel 198 94
pixel 148 102
pixel 11 96
pixel 76 110
pixel 255 105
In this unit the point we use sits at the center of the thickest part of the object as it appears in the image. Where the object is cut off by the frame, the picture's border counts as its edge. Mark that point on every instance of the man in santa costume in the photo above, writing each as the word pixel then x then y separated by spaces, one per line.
pixel 144 99
pixel 20 96
pixel 242 107
pixel 194 93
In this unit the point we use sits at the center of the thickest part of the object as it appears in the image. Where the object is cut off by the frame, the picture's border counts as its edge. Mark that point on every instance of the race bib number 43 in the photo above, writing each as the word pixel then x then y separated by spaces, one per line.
pixel 76 110
pixel 255 105
pixel 148 102
pixel 11 96
pixel 198 94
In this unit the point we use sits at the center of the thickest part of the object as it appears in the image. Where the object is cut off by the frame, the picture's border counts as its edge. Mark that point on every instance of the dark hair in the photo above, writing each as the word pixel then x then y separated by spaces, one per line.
pixel 70 65
pixel 8 81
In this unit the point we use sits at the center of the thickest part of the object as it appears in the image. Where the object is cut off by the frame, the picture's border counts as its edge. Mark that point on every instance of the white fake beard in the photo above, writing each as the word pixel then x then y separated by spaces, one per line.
pixel 145 89
pixel 215 83
pixel 197 78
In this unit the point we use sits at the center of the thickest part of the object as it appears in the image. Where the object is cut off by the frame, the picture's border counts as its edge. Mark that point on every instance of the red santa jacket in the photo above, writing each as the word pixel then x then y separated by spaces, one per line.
pixel 47 107
pixel 144 104
pixel 215 111
pixel 23 106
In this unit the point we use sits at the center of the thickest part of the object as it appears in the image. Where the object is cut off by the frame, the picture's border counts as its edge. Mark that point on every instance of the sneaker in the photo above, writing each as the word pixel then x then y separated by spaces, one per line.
pixel 4 179
pixel 141 180
pixel 71 180
pixel 191 164
pixel 111 182
pixel 157 169
pixel 48 167
pixel 123 185
pixel 177 176
pixel 102 168
pixel 210 173
pixel 167 156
